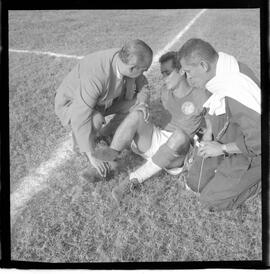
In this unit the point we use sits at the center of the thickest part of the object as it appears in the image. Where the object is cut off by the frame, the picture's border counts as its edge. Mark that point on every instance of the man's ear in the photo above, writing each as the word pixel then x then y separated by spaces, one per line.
pixel 205 65
pixel 131 68
pixel 181 72
pixel 127 67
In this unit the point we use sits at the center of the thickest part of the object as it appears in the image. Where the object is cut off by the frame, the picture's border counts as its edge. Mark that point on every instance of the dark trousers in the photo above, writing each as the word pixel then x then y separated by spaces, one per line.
pixel 120 109
pixel 225 183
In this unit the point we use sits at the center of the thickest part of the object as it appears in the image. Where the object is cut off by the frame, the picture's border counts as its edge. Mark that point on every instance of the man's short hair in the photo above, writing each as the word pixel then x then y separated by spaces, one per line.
pixel 196 49
pixel 135 47
pixel 171 55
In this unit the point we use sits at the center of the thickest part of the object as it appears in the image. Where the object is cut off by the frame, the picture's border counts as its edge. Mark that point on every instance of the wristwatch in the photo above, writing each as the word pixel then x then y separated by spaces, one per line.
pixel 224 150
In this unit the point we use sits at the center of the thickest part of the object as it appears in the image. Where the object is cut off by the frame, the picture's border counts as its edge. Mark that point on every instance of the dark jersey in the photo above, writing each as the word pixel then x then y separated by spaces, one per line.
pixel 185 112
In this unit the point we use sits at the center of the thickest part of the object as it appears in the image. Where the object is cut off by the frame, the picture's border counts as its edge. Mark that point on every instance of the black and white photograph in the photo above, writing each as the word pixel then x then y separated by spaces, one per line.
pixel 135 136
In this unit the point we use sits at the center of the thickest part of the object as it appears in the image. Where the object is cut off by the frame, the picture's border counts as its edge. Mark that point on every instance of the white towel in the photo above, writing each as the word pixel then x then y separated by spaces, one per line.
pixel 230 82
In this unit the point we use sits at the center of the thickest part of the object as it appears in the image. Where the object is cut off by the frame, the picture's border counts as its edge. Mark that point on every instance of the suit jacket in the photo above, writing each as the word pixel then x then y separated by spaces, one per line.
pixel 91 83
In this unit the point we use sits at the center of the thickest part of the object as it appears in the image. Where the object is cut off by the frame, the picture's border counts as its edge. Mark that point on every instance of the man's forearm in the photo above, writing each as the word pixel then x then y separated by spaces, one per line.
pixel 86 142
pixel 92 145
pixel 143 96
pixel 232 148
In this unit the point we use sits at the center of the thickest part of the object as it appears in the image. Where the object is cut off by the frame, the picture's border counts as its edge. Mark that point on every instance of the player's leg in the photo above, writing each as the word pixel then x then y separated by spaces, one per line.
pixel 132 128
pixel 173 152
pixel 119 110
pixel 112 123
pixel 167 151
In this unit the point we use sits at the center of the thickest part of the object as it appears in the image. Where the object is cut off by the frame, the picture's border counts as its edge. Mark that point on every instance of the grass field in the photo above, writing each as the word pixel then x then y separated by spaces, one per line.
pixel 71 221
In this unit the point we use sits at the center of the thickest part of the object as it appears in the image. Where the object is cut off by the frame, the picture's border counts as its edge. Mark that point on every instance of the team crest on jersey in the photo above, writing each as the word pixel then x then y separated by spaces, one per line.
pixel 188 108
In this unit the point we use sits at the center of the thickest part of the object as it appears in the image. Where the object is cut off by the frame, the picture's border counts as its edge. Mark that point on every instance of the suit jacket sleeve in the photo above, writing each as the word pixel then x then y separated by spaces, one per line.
pixel 248 121
pixel 82 110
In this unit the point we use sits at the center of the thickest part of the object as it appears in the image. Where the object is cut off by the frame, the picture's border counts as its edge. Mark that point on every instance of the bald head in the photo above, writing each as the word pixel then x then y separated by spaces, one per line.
pixel 135 49
pixel 134 58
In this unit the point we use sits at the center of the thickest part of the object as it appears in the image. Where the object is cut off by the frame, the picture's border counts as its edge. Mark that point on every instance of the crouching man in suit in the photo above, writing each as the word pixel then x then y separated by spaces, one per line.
pixel 103 83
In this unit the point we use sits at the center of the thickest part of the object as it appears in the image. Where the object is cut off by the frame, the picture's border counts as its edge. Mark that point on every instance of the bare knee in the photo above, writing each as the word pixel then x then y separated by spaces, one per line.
pixel 179 137
pixel 179 141
pixel 135 117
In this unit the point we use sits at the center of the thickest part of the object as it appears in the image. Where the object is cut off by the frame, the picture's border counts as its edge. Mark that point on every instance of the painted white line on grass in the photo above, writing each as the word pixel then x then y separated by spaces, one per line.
pixel 46 53
pixel 155 59
pixel 35 182
pixel 177 37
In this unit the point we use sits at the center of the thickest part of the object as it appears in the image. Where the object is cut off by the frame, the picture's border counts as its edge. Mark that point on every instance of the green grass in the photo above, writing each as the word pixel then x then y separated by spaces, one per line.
pixel 71 221
pixel 84 31
pixel 34 128
pixel 234 31
pixel 80 222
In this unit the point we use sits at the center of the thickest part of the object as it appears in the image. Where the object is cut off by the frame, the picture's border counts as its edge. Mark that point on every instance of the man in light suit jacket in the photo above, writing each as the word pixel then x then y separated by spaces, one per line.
pixel 103 83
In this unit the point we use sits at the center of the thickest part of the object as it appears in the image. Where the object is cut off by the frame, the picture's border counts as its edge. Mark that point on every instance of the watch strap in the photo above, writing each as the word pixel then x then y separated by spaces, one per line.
pixel 224 150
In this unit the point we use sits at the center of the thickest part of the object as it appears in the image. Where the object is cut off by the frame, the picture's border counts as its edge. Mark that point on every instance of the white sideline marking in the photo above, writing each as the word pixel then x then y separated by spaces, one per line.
pixel 177 37
pixel 33 183
pixel 155 59
pixel 46 53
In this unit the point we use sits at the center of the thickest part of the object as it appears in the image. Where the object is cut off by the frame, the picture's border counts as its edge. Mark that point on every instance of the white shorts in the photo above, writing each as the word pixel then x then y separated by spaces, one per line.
pixel 159 138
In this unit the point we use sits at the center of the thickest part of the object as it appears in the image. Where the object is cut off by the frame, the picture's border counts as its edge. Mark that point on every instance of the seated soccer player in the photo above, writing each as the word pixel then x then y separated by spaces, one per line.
pixel 162 148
